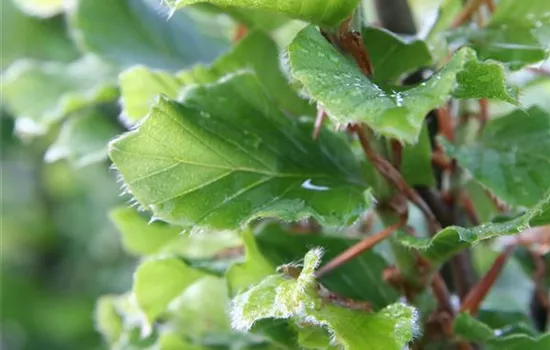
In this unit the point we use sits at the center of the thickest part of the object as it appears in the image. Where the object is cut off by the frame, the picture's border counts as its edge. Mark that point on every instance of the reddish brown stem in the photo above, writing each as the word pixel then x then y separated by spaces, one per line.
pixel 321 116
pixel 538 278
pixel 394 177
pixel 353 43
pixel 240 33
pixel 501 207
pixel 397 153
pixel 445 123
pixel 490 5
pixel 442 295
pixel 359 248
pixel 483 114
pixel 475 297
pixel 468 205
pixel 467 12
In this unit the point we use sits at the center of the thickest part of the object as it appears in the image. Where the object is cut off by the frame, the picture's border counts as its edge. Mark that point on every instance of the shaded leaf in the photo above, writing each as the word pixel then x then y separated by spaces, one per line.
pixel 359 279
pixel 468 328
pixel 130 32
pixel 256 51
pixel 298 300
pixel 416 161
pixel 392 56
pixel 55 89
pixel 453 239
pixel 242 275
pixel 158 282
pixel 349 97
pixel 227 155
pixel 140 237
pixel 83 139
pixel 329 13
pixel 26 37
pixel 518 33
pixel 510 156
pixel 252 18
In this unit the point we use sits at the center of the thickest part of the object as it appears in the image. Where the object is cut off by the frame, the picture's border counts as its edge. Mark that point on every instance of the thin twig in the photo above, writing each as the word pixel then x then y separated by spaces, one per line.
pixel 468 206
pixel 467 12
pixel 442 295
pixel 483 114
pixel 359 248
pixel 353 43
pixel 240 32
pixel 445 123
pixel 490 6
pixel 475 297
pixel 394 177
pixel 321 116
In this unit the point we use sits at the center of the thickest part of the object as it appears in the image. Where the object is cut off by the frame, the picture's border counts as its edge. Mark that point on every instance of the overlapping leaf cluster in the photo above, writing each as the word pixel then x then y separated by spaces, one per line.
pixel 219 156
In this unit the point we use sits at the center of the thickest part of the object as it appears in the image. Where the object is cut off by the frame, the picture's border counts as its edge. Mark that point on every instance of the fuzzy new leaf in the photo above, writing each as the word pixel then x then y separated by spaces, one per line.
pixel 298 300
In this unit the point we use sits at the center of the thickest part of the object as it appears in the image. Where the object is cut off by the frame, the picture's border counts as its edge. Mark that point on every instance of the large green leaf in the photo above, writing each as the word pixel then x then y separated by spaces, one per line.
pixel 468 328
pixel 83 138
pixel 27 37
pixel 299 300
pixel 157 282
pixel 227 155
pixel 518 33
pixel 256 51
pixel 348 96
pixel 41 8
pixel 359 279
pixel 131 32
pixel 55 90
pixel 453 239
pixel 327 13
pixel 387 53
pixel 510 156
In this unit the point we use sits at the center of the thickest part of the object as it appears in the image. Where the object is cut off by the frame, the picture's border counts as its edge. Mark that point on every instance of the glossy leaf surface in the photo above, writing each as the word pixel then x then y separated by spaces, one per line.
pixel 348 96
pixel 226 155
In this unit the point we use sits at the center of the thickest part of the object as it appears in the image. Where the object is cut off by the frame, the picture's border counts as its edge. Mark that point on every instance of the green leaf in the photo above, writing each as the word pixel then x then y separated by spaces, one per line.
pixel 140 237
pixel 200 309
pixel 130 32
pixel 83 139
pixel 416 162
pixel 392 56
pixel 328 13
pixel 468 328
pixel 256 51
pixel 349 280
pixel 227 155
pixel 484 79
pixel 158 282
pixel 240 276
pixel 27 37
pixel 298 300
pixel 349 97
pixel 518 33
pixel 55 89
pixel 252 18
pixel 41 8
pixel 107 319
pixel 510 156
pixel 453 239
